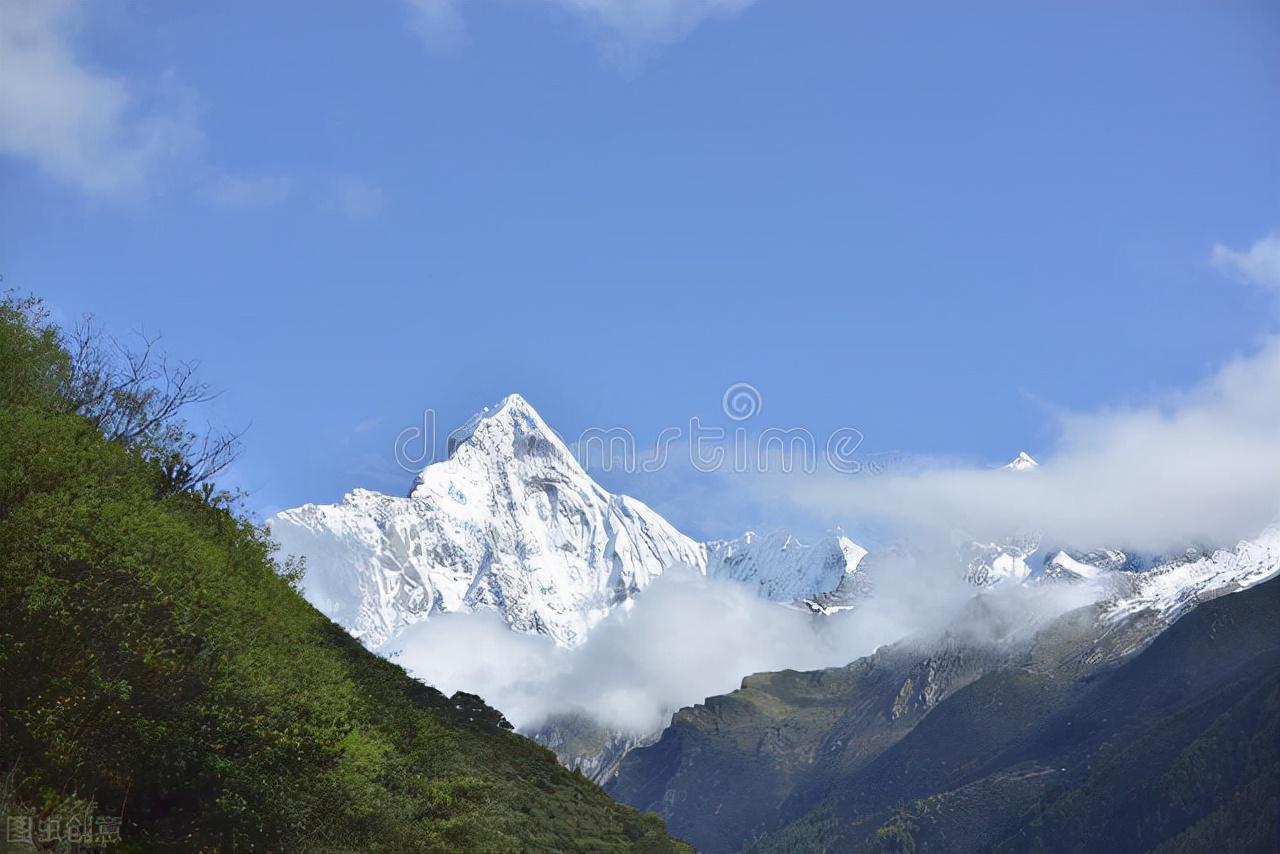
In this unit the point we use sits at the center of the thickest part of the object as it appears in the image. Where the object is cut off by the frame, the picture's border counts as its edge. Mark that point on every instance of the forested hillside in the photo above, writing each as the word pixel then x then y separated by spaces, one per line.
pixel 158 666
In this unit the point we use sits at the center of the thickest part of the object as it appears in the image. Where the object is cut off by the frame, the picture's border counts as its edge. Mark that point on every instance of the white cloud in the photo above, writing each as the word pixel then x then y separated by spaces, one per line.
pixel 107 136
pixel 685 638
pixel 81 126
pixel 1259 264
pixel 353 197
pixel 625 28
pixel 1199 467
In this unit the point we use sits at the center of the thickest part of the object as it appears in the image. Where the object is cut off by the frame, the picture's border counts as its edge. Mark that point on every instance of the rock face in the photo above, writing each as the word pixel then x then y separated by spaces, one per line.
pixel 511 522
pixel 583 744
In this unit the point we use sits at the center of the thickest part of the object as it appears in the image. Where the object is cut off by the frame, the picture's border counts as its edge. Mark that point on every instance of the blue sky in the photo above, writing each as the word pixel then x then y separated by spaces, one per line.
pixel 938 227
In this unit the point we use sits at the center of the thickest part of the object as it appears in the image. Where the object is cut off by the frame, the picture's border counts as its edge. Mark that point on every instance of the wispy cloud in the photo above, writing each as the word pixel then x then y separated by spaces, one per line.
pixel 236 192
pixel 438 23
pixel 81 126
pixel 108 136
pixel 353 197
pixel 650 22
pixel 1259 264
pixel 625 29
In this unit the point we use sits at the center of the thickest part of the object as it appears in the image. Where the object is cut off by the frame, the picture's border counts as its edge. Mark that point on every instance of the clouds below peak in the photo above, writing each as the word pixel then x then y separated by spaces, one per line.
pixel 1259 264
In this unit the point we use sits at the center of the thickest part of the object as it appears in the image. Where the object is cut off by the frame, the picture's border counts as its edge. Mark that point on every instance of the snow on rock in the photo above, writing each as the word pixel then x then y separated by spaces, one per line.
pixel 512 523
pixel 988 564
pixel 1022 462
pixel 780 567
pixel 1171 589
pixel 1062 566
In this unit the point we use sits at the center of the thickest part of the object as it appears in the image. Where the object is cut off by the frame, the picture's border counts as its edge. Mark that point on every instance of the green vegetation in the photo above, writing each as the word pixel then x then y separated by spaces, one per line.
pixel 157 663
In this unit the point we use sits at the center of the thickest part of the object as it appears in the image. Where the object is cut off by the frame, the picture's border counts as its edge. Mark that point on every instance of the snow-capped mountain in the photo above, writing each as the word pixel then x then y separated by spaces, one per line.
pixel 783 569
pixel 1022 462
pixel 511 522
pixel 1006 560
pixel 1166 586
pixel 1171 589
pixel 993 563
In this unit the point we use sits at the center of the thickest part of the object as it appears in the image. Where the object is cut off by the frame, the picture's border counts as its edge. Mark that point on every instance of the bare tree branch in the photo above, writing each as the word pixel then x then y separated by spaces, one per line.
pixel 138 397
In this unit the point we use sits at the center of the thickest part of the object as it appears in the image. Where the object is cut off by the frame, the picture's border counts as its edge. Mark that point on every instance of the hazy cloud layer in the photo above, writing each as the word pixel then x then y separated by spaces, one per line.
pixel 1259 264
pixel 686 638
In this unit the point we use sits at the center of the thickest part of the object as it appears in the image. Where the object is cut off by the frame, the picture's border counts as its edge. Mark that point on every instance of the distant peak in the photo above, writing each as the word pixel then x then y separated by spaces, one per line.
pixel 1023 462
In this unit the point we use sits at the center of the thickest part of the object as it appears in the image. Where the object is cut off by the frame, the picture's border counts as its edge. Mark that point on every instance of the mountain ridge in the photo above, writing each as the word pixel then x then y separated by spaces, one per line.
pixel 750 764
pixel 511 522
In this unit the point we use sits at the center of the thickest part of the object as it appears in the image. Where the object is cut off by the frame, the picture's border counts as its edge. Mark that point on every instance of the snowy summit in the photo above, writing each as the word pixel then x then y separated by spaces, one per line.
pixel 511 522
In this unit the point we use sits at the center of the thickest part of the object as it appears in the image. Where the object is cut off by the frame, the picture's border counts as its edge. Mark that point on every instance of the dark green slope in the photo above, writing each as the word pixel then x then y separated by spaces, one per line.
pixel 155 666
pixel 734 768
pixel 1071 740
pixel 1177 747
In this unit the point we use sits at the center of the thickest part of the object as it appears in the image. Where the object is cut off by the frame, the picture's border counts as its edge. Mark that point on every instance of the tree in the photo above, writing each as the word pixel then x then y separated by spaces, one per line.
pixel 135 396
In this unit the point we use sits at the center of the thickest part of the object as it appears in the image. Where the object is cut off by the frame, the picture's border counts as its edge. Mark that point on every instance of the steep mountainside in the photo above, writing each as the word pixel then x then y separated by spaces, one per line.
pixel 511 522
pixel 952 742
pixel 1177 749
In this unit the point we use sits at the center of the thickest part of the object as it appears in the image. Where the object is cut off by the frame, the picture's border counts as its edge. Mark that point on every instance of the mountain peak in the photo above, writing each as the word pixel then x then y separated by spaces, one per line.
pixel 1022 462
pixel 511 415
pixel 512 523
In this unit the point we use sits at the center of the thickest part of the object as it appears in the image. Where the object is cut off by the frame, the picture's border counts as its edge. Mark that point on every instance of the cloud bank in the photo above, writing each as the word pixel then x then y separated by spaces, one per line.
pixel 1195 467
pixel 684 639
